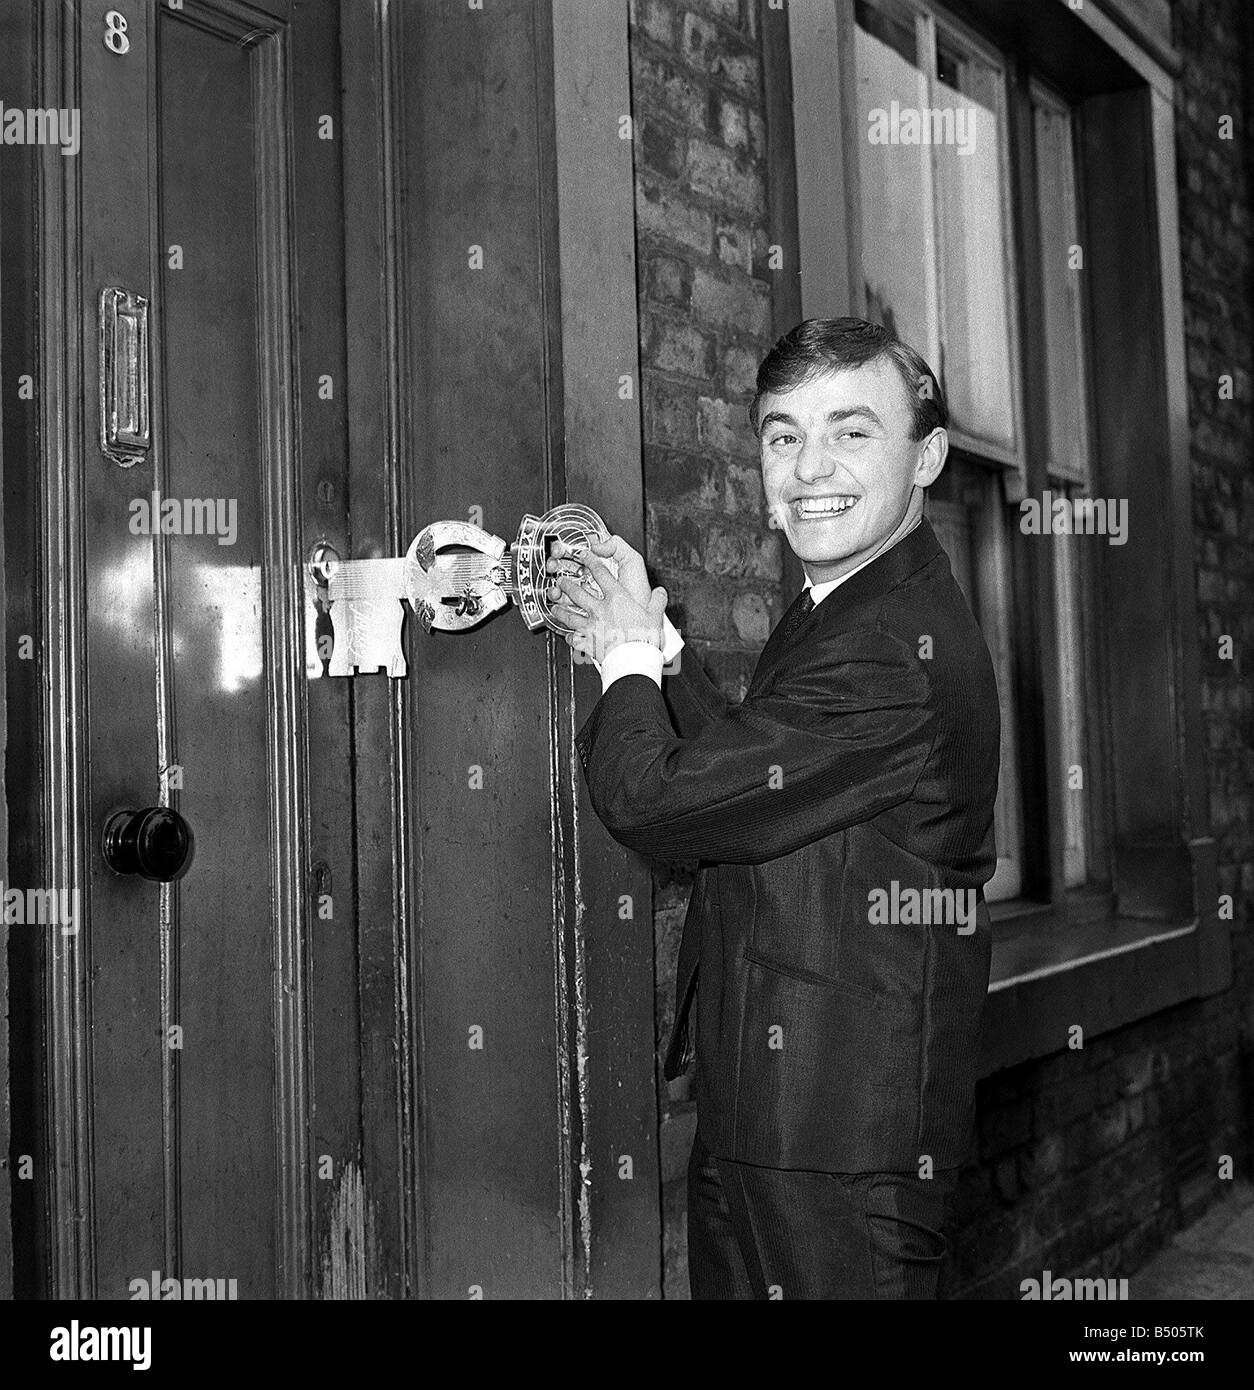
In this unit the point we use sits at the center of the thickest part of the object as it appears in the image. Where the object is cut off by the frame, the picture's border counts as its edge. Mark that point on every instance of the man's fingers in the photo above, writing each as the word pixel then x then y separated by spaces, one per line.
pixel 628 561
pixel 571 594
pixel 600 571
pixel 572 588
pixel 657 602
pixel 571 617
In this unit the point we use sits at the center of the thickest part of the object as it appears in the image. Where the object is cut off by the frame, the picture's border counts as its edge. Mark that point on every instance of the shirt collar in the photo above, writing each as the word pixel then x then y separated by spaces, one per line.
pixel 818 592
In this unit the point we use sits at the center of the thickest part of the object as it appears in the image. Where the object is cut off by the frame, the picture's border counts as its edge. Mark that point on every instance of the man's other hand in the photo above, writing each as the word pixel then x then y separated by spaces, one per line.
pixel 627 609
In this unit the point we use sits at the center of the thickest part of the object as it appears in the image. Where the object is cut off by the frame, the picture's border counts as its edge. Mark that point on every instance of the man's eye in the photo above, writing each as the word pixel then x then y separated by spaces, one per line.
pixel 854 434
pixel 779 439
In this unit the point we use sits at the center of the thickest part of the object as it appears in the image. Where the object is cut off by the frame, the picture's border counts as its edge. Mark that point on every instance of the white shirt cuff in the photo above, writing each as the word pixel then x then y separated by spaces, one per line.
pixel 631 659
pixel 672 642
pixel 641 658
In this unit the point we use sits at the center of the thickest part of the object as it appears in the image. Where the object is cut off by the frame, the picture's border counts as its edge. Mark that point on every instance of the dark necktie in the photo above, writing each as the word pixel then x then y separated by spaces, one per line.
pixel 794 615
pixel 802 606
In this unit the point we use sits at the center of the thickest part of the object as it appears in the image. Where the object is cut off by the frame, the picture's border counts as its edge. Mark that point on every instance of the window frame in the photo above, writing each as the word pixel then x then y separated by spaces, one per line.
pixel 1153 937
pixel 929 24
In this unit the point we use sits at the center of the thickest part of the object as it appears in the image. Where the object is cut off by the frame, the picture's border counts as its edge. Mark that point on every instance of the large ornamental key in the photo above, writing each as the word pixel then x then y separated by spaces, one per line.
pixel 453 576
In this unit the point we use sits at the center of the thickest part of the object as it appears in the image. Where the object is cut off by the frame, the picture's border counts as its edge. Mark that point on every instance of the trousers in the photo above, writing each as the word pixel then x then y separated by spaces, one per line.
pixel 771 1233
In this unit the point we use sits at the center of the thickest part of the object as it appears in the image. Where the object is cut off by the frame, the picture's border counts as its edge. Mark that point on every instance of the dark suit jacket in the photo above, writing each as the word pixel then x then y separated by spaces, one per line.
pixel 856 760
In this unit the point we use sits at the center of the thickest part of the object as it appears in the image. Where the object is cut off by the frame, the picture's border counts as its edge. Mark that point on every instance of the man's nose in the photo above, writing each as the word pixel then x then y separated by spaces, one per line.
pixel 815 462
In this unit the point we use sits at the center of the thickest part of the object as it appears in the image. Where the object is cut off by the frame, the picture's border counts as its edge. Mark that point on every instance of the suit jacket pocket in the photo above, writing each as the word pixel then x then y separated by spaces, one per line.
pixel 810 977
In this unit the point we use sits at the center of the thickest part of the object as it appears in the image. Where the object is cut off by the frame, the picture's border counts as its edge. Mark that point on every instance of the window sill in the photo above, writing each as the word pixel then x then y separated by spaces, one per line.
pixel 1101 974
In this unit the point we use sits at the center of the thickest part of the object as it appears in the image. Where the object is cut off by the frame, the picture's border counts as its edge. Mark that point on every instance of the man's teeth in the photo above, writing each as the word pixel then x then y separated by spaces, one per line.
pixel 821 506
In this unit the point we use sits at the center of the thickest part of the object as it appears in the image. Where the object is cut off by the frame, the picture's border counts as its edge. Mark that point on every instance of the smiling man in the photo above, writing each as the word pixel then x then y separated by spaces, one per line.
pixel 836 1043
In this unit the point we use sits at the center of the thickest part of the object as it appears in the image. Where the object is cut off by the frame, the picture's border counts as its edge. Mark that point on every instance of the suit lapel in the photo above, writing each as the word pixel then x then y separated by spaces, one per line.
pixel 885 572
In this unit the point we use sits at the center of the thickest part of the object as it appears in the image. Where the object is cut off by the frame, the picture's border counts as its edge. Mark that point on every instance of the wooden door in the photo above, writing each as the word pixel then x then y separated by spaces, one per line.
pixel 346 1053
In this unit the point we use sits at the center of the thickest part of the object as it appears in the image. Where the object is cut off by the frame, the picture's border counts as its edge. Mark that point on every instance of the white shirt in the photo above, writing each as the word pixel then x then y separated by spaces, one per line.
pixel 644 659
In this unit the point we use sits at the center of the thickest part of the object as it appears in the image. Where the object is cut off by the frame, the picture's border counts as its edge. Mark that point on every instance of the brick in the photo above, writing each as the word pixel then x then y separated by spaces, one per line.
pixel 742 491
pixel 757 136
pixel 721 56
pixel 661 148
pixel 1005 1128
pixel 701 613
pixel 1042 1161
pixel 1137 1071
pixel 1108 1129
pixel 668 280
pixel 726 10
pixel 1006 1178
pixel 655 18
pixel 1109 1085
pixel 740 372
pixel 751 618
pixel 674 541
pixel 742 554
pixel 717 174
pixel 678 347
pixel 667 214
pixel 729 120
pixel 686 482
pixel 670 413
pixel 725 427
pixel 659 88
pixel 737 303
pixel 734 245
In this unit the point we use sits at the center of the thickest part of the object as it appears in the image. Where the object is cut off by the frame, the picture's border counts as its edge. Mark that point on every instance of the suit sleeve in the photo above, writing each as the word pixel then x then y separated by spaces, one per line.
pixel 692 697
pixel 841 736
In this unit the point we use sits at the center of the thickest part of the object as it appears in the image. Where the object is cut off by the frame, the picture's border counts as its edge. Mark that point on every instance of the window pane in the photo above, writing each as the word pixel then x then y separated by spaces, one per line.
pixel 974 266
pixel 896 235
pixel 971 525
pixel 1075 798
pixel 1060 283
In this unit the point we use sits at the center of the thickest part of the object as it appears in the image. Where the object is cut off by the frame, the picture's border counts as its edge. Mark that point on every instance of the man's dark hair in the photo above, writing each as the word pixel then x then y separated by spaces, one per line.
pixel 832 345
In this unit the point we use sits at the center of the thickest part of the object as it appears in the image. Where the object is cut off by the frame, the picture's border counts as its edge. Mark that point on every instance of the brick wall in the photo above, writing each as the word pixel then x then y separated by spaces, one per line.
pixel 1086 1162
pixel 705 323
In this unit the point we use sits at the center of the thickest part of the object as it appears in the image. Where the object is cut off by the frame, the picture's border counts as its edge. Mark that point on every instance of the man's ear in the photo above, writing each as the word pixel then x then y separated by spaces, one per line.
pixel 933 452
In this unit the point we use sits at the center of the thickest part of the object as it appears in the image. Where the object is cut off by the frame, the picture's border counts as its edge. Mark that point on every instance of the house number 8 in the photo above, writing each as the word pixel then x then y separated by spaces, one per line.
pixel 115 33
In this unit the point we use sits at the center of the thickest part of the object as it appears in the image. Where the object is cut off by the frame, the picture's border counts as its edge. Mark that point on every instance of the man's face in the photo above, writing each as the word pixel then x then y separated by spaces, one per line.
pixel 839 467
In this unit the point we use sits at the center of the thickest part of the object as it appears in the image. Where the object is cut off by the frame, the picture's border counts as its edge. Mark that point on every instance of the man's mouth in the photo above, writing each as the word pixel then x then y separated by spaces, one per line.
pixel 807 508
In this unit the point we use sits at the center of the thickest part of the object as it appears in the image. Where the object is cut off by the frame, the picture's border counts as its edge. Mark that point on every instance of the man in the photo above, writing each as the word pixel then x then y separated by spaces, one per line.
pixel 836 938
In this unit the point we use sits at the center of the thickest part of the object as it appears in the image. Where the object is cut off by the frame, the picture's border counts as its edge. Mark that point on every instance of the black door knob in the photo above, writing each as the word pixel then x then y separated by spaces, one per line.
pixel 154 843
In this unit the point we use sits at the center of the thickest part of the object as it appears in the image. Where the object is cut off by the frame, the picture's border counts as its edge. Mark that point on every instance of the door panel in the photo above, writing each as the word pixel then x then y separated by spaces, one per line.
pixel 211 1152
pixel 491 1117
pixel 208 205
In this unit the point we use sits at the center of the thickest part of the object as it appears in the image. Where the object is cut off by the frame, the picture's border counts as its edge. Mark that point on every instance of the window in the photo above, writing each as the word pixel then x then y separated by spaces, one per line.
pixel 939 264
pixel 936 254
pixel 1095 644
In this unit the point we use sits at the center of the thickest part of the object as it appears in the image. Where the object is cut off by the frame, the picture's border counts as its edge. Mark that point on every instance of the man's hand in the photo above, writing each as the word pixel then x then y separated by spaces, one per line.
pixel 628 609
